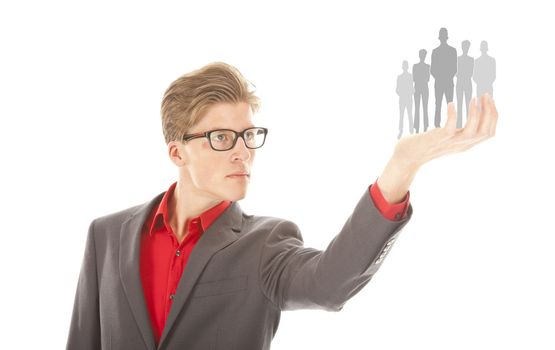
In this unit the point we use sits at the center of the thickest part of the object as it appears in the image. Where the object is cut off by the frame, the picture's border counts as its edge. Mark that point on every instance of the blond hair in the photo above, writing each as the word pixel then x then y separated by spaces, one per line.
pixel 189 96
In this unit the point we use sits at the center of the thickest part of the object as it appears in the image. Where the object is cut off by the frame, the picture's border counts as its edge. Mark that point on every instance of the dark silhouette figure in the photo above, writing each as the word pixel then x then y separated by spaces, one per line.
pixel 421 76
pixel 465 68
pixel 405 90
pixel 443 69
pixel 484 72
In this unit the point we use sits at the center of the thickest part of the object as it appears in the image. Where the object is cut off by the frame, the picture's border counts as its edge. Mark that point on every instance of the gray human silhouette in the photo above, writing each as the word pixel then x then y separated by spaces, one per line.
pixel 443 69
pixel 421 76
pixel 484 72
pixel 465 67
pixel 405 89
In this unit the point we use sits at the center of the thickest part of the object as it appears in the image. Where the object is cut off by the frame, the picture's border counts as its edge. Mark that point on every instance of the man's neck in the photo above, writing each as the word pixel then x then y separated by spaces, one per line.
pixel 184 205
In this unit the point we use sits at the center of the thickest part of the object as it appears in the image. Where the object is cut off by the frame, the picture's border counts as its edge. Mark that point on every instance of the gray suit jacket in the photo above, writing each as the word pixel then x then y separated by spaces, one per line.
pixel 242 273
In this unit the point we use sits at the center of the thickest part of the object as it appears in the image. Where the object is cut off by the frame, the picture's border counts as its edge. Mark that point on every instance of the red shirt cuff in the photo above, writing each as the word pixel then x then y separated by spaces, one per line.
pixel 393 212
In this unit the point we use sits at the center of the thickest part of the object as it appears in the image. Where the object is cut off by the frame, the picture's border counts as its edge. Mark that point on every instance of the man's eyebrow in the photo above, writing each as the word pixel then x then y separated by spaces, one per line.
pixel 217 128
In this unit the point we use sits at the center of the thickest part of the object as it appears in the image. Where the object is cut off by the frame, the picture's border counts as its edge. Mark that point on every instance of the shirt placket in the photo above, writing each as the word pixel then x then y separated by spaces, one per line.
pixel 177 262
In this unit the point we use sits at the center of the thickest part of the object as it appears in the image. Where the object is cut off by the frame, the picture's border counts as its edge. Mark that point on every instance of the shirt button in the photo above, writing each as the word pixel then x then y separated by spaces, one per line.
pixel 172 296
pixel 397 216
pixel 178 253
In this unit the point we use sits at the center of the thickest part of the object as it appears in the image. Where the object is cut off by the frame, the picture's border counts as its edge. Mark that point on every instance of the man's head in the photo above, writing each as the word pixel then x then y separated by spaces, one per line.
pixel 214 97
pixel 443 35
pixel 484 47
pixel 465 46
pixel 422 54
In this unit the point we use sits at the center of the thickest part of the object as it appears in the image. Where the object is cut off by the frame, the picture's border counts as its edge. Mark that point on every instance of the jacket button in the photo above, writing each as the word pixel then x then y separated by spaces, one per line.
pixel 172 296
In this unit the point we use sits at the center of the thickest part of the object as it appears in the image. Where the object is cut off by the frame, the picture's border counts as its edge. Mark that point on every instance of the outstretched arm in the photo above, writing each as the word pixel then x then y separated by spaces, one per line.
pixel 413 151
pixel 294 277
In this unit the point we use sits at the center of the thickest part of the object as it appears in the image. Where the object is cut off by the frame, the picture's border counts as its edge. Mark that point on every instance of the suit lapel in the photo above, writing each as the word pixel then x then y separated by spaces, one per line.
pixel 129 267
pixel 219 235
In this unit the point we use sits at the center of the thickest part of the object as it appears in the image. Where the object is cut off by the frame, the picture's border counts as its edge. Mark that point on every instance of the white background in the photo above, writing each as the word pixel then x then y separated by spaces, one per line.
pixel 80 89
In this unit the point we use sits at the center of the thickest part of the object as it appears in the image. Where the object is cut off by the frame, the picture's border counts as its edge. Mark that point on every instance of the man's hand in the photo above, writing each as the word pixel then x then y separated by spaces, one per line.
pixel 413 151
pixel 421 148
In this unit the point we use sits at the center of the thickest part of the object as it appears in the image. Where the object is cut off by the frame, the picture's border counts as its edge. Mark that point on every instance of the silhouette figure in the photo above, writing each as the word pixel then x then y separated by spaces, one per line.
pixel 465 67
pixel 484 72
pixel 421 76
pixel 443 69
pixel 405 89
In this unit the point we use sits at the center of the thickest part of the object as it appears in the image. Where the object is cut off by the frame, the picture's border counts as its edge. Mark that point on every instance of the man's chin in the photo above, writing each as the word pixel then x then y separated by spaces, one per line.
pixel 237 196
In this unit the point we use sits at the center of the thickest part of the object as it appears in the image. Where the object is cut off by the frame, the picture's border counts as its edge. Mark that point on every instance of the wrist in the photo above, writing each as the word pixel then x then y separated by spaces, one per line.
pixel 405 159
pixel 396 179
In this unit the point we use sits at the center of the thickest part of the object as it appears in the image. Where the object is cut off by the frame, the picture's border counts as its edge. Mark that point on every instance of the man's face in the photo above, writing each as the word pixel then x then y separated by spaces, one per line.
pixel 208 174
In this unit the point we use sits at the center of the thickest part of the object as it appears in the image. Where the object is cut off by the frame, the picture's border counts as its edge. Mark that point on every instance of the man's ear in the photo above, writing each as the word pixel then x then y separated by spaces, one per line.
pixel 177 154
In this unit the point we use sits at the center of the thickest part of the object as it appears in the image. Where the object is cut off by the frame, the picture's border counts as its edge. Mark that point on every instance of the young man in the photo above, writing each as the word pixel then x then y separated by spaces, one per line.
pixel 190 270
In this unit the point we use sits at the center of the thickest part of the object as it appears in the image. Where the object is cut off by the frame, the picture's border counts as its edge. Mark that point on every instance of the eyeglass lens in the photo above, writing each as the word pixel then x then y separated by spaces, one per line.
pixel 224 139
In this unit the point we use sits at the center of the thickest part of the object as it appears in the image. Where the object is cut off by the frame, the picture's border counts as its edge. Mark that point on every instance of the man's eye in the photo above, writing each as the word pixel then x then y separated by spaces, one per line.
pixel 220 137
pixel 250 135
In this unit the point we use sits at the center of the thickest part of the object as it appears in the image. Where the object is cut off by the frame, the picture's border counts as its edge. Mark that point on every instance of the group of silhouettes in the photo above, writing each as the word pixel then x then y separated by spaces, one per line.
pixel 444 67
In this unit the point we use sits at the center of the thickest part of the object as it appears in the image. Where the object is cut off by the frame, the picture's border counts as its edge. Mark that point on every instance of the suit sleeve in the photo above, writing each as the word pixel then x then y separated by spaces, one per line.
pixel 295 277
pixel 84 330
pixel 391 211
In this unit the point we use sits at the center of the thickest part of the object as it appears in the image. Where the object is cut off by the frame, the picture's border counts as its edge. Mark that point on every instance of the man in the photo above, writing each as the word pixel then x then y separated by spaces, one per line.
pixel 405 89
pixel 443 69
pixel 484 71
pixel 190 270
pixel 421 75
pixel 465 68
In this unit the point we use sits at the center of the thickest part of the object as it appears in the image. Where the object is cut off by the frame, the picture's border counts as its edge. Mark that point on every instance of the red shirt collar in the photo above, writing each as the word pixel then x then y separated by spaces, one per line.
pixel 206 218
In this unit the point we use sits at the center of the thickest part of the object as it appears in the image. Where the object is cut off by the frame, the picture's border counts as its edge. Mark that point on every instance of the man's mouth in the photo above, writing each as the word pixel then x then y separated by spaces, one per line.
pixel 239 175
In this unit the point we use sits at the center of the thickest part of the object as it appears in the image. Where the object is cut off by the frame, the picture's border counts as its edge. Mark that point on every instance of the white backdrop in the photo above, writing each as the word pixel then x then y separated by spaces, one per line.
pixel 80 89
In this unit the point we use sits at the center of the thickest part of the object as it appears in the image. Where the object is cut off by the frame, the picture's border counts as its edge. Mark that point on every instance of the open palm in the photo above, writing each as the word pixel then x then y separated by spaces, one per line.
pixel 481 123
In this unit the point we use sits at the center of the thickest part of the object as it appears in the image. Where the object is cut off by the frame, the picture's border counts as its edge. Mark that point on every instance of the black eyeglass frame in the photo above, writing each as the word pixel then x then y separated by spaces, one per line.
pixel 241 134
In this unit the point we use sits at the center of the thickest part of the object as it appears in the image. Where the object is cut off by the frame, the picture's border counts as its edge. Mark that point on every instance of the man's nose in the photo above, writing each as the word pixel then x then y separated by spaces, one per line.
pixel 240 150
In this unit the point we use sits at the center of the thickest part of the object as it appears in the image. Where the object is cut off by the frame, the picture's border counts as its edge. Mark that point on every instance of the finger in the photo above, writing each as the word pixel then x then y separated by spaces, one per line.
pixel 486 115
pixel 472 118
pixel 480 115
pixel 495 115
pixel 451 123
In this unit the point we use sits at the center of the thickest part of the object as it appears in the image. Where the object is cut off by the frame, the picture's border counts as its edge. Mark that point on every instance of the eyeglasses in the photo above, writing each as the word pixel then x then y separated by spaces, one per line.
pixel 225 139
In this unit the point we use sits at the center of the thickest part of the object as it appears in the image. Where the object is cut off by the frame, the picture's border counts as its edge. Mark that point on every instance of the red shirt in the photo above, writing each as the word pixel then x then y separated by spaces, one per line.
pixel 163 258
